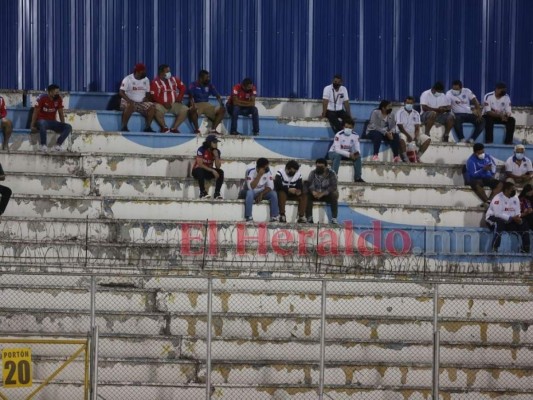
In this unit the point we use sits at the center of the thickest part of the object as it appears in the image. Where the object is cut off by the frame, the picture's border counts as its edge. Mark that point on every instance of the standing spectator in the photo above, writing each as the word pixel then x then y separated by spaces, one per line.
pixel 382 128
pixel 5 124
pixel 460 99
pixel 5 192
pixel 436 107
pixel 322 186
pixel 504 216
pixel 497 110
pixel 135 96
pixel 408 124
pixel 259 187
pixel 242 102
pixel 199 92
pixel 346 147
pixel 518 168
pixel 480 173
pixel 207 166
pixel 44 117
pixel 168 92
pixel 288 185
pixel 336 104
pixel 526 205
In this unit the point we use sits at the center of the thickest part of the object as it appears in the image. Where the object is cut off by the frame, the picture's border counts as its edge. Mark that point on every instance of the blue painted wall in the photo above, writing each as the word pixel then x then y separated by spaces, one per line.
pixel 291 48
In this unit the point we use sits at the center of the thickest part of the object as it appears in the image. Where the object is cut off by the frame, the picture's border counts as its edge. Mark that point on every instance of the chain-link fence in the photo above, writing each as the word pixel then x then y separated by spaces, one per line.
pixel 274 336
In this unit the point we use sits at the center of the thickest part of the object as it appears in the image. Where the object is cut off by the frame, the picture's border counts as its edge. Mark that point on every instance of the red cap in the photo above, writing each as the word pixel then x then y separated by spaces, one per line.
pixel 139 67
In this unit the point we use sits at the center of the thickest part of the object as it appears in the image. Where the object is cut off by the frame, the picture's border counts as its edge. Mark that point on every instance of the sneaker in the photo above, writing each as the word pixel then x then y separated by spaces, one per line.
pixel 44 148
pixel 360 180
pixel 218 196
pixel 471 141
pixel 149 129
pixel 310 220
pixel 274 219
pixel 58 147
pixel 334 221
pixel 124 129
pixel 462 141
pixel 302 220
pixel 397 159
pixel 204 195
pixel 234 133
pixel 445 138
pixel 375 157
pixel 197 131
pixel 165 130
pixel 174 130
pixel 256 133
pixel 249 219
pixel 282 218
pixel 215 132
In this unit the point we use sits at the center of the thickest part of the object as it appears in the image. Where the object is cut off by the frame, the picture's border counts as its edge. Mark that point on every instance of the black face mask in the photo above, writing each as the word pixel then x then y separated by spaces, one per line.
pixel 291 174
pixel 207 82
pixel 503 92
pixel 56 97
pixel 336 86
pixel 513 193
pixel 388 110
pixel 320 170
pixel 142 75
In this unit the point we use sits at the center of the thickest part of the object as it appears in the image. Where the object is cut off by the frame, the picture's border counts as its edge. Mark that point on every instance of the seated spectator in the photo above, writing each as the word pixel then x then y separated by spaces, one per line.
pixel 322 186
pixel 207 166
pixel 504 215
pixel 259 186
pixel 289 186
pixel 382 128
pixel 5 124
pixel 336 104
pixel 5 192
pixel 199 92
pixel 346 147
pixel 242 102
pixel 480 173
pixel 497 110
pixel 44 117
pixel 526 205
pixel 135 96
pixel 460 99
pixel 436 107
pixel 408 126
pixel 518 168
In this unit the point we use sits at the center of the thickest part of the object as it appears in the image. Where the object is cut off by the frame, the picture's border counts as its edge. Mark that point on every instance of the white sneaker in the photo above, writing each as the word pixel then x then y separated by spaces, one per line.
pixel 334 221
pixel 58 148
pixel 274 219
pixel 44 148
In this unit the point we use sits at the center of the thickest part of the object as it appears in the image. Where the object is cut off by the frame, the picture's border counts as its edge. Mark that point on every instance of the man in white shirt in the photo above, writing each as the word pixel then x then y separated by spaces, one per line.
pixel 336 104
pixel 408 126
pixel 504 215
pixel 259 187
pixel 518 168
pixel 346 146
pixel 135 96
pixel 436 107
pixel 460 99
pixel 497 110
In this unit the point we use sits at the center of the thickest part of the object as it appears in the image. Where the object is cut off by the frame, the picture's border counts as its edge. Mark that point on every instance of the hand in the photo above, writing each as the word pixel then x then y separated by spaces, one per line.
pixel 259 198
pixel 323 115
pixel 389 135
pixel 261 171
pixel 527 211
pixel 517 219
pixel 317 195
pixel 34 129
pixel 505 117
pixel 192 107
pixel 487 167
pixel 354 156
pixel 215 173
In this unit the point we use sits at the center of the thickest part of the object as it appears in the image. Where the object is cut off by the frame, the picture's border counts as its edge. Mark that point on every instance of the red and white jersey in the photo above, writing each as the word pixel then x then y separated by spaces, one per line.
pixel 242 94
pixel 135 89
pixel 346 144
pixel 48 107
pixel 169 90
pixel 266 180
pixel 3 111
pixel 409 120
pixel 491 103
pixel 207 156
pixel 427 98
pixel 461 101
pixel 503 207
pixel 335 98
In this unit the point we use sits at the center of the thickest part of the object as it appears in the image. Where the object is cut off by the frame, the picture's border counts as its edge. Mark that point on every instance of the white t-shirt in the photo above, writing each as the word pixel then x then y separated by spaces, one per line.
pixel 461 102
pixel 503 104
pixel 265 181
pixel 429 99
pixel 135 89
pixel 408 120
pixel 503 207
pixel 518 170
pixel 335 98
pixel 345 144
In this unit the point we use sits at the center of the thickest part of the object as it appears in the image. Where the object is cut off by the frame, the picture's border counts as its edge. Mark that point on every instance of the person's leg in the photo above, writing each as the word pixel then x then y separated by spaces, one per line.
pixel 159 116
pixel 127 108
pixel 333 121
pixel 181 111
pixel 219 116
pixel 477 187
pixel 219 181
pixel 394 144
pixel 149 115
pixel 335 161
pixel 499 227
pixel 309 205
pixel 429 118
pixel 272 197
pixel 333 200
pixel 255 120
pixel 282 199
pixel 302 204
pixel 5 192
pixel 235 112
pixel 193 118
pixel 523 230
pixel 509 130
pixel 248 203
pixel 479 125
pixel 42 124
pixel 200 175
pixel 65 130
pixel 489 128
pixel 7 127
pixel 376 137
pixel 357 169
pixel 448 125
pixel 458 125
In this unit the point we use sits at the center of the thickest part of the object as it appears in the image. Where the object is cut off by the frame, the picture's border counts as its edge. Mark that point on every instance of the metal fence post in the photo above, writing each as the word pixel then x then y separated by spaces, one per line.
pixel 208 344
pixel 94 363
pixel 436 343
pixel 322 341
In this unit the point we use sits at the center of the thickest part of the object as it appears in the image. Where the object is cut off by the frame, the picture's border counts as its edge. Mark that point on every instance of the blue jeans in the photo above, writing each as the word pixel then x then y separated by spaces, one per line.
pixel 56 126
pixel 271 196
pixel 235 111
pixel 336 162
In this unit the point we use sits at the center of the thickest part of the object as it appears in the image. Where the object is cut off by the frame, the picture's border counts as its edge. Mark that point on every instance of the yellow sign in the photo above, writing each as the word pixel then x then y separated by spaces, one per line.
pixel 16 368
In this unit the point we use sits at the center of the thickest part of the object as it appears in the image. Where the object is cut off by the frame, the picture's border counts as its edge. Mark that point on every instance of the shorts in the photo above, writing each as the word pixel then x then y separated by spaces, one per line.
pixel 176 109
pixel 141 107
pixel 419 140
pixel 207 109
pixel 441 118
pixel 485 182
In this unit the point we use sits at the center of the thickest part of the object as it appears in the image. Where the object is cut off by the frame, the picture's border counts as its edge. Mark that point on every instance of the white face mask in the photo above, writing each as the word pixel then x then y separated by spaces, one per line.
pixel 168 75
pixel 437 94
pixel 408 107
pixel 347 131
pixel 481 156
pixel 456 92
pixel 519 156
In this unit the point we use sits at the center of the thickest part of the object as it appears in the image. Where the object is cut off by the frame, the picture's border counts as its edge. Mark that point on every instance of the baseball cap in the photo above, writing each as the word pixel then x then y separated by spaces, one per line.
pixel 519 147
pixel 139 67
pixel 212 138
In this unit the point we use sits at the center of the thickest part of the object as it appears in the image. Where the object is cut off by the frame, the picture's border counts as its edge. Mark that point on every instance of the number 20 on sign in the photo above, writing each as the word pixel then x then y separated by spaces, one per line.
pixel 16 368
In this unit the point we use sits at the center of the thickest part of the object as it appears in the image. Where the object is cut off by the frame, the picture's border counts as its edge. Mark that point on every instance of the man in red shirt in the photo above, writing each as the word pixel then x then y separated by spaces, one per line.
pixel 207 166
pixel 5 124
pixel 242 102
pixel 167 92
pixel 44 117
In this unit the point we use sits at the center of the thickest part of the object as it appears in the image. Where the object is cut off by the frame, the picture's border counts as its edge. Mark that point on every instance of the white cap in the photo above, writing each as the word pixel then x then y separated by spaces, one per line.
pixel 519 147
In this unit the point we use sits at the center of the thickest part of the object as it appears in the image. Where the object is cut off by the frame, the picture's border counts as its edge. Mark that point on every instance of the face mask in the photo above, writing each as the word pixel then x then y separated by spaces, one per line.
pixel 481 156
pixel 142 75
pixel 207 82
pixel 336 86
pixel 347 131
pixel 437 94
pixel 503 93
pixel 168 75
pixel 320 170
pixel 513 193
pixel 519 156
pixel 291 174
pixel 456 92
pixel 56 97
pixel 408 107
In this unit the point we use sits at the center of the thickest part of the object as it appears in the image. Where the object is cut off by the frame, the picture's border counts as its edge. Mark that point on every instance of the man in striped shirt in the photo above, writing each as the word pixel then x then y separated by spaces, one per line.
pixel 167 92
pixel 288 183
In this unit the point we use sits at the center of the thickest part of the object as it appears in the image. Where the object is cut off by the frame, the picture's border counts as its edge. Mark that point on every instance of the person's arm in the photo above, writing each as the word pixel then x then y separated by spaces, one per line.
pixel 347 108
pixel 243 103
pixel 36 111
pixel 181 90
pixel 61 115
pixel 3 111
pixel 324 108
pixel 477 106
pixel 215 93
pixel 254 182
pixel 356 149
pixel 332 187
pixel 375 123
pixel 278 182
pixel 218 160
pixel 402 130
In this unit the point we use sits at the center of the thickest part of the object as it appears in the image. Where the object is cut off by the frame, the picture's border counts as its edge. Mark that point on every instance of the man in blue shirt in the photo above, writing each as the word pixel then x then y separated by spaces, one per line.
pixel 480 172
pixel 199 92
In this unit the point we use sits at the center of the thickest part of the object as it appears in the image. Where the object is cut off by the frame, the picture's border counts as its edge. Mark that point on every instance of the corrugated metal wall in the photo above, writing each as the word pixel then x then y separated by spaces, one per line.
pixel 291 48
